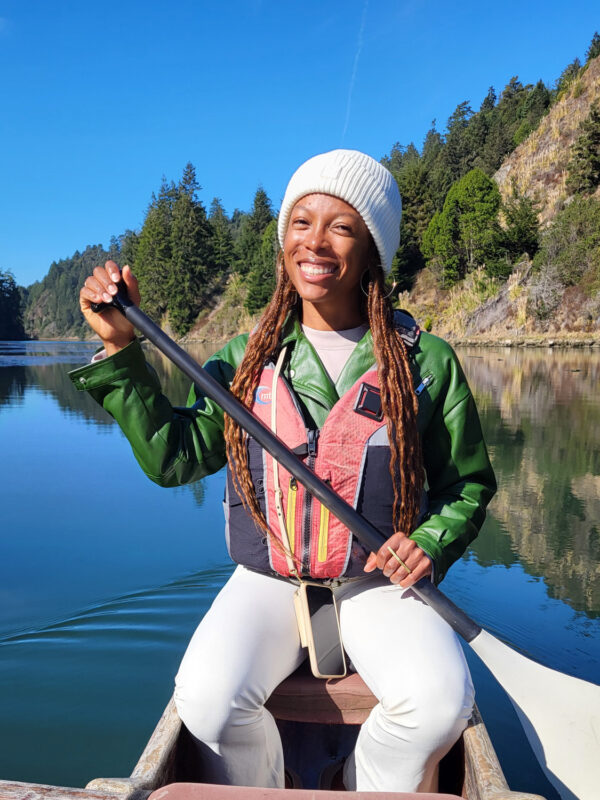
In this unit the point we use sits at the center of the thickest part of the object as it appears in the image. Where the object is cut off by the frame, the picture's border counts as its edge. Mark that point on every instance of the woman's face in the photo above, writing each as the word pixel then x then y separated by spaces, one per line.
pixel 326 250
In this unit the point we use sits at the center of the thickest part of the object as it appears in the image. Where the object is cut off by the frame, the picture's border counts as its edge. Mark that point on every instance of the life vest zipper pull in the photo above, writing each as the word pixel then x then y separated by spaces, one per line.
pixel 312 443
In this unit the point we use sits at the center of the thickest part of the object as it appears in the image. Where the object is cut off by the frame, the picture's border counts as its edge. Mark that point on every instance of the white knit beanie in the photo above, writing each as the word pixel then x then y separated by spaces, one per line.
pixel 360 181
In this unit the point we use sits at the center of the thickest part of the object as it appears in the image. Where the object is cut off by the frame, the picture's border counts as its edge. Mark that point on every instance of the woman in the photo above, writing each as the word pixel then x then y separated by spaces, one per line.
pixel 331 345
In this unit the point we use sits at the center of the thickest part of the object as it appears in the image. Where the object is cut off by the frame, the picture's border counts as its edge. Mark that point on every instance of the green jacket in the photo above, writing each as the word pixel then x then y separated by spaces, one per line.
pixel 180 445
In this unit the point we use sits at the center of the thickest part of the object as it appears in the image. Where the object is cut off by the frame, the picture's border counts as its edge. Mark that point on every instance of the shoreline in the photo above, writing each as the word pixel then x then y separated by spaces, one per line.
pixel 572 340
pixel 531 340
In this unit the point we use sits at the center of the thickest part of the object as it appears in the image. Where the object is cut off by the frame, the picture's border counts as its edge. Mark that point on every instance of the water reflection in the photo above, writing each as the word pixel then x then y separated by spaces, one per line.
pixel 541 418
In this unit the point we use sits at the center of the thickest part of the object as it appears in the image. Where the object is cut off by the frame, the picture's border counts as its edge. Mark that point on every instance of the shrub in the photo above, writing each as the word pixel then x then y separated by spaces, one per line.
pixel 571 245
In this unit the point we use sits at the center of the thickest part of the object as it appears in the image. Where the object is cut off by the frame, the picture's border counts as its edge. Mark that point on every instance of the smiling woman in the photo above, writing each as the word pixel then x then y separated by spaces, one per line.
pixel 389 410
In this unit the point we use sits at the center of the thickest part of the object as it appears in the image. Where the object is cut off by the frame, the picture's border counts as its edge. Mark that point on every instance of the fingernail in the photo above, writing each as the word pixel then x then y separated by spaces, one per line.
pixel 106 297
pixel 115 276
pixel 112 289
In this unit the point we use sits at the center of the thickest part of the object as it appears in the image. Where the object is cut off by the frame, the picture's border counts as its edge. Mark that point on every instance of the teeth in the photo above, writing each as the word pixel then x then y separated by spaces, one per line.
pixel 310 269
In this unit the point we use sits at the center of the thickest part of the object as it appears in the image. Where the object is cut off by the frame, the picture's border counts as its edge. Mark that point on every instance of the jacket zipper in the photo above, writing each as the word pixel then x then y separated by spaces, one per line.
pixel 312 437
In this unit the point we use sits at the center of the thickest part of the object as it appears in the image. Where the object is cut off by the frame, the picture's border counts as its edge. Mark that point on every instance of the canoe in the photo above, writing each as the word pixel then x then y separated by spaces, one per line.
pixel 319 722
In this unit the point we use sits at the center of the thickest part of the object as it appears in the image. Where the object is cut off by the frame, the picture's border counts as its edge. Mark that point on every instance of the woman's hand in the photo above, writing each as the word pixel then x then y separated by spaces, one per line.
pixel 418 563
pixel 110 325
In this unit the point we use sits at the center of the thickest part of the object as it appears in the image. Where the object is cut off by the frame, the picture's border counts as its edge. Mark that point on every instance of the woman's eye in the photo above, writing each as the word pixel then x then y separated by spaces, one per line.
pixel 299 221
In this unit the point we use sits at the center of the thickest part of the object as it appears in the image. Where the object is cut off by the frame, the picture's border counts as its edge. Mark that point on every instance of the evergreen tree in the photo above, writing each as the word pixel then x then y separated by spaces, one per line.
pixel 221 239
pixel 530 111
pixel 457 153
pixel 417 210
pixel 235 226
pixel 466 234
pixel 489 101
pixel 190 272
pixel 11 309
pixel 567 76
pixel 128 248
pixel 122 248
pixel 521 234
pixel 593 50
pixel 248 245
pixel 262 277
pixel 584 165
pixel 153 256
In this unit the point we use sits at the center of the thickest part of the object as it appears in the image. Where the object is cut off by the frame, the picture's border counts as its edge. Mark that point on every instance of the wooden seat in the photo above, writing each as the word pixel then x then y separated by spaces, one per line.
pixel 304 698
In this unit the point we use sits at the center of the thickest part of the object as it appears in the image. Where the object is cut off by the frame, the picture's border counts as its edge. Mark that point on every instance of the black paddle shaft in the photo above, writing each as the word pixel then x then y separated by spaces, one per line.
pixel 360 527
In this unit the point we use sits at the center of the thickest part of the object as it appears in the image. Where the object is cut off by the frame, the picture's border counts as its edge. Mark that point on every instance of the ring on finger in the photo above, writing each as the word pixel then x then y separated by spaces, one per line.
pixel 399 560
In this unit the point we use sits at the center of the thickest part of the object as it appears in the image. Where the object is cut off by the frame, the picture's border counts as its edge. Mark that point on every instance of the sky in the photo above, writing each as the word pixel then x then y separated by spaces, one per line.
pixel 100 100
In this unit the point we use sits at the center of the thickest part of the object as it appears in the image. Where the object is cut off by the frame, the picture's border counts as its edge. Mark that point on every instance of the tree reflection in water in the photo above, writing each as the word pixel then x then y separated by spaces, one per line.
pixel 540 411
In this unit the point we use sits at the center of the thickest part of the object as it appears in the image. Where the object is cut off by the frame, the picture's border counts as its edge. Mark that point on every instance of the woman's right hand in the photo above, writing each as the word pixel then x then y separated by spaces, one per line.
pixel 110 325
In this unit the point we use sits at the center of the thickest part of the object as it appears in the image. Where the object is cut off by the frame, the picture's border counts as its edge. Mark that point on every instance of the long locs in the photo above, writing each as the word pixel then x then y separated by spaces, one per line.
pixel 399 404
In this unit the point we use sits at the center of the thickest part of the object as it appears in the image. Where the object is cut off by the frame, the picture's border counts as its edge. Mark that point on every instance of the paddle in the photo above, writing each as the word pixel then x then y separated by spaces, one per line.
pixel 559 713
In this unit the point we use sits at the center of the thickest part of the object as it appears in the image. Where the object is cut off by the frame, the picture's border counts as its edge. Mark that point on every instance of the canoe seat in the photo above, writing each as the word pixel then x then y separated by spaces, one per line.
pixel 304 698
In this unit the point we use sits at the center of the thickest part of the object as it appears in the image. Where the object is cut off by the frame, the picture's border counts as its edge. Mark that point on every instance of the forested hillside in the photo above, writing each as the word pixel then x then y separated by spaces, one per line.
pixel 500 212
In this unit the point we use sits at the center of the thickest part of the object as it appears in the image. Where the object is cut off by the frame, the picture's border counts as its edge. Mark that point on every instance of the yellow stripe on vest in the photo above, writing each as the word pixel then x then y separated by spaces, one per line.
pixel 323 531
pixel 290 522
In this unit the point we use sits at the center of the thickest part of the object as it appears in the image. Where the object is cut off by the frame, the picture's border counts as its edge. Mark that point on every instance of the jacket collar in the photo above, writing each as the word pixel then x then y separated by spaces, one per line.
pixel 307 373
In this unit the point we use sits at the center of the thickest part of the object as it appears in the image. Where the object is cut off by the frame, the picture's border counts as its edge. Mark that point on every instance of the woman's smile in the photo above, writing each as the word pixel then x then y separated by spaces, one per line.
pixel 316 269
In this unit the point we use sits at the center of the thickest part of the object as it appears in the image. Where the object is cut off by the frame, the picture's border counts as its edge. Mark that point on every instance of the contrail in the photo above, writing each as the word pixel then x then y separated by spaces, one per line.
pixel 355 68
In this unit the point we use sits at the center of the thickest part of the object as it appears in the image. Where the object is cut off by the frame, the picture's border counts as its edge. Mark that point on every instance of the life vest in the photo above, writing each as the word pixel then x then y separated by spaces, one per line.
pixel 350 452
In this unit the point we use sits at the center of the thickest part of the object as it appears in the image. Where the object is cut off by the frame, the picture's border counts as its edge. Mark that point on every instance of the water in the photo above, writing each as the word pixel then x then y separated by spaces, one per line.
pixel 104 576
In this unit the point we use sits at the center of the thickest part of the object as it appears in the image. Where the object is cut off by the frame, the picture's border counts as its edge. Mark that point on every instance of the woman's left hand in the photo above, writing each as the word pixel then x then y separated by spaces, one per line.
pixel 408 551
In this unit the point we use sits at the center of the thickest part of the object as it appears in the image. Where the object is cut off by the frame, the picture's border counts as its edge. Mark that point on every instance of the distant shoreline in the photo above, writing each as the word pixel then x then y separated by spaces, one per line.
pixel 573 340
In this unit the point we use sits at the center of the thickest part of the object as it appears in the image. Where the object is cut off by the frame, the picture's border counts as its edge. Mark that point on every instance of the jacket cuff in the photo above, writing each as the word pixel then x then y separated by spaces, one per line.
pixel 126 363
pixel 429 544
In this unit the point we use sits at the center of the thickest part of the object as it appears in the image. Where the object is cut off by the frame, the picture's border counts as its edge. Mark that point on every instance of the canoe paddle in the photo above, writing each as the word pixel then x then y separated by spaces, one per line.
pixel 559 713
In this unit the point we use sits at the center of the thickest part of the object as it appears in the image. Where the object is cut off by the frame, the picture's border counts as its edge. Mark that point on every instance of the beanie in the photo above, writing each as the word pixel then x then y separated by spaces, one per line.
pixel 360 181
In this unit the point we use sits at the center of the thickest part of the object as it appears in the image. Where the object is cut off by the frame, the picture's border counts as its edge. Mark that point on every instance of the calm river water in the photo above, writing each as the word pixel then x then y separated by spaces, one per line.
pixel 103 575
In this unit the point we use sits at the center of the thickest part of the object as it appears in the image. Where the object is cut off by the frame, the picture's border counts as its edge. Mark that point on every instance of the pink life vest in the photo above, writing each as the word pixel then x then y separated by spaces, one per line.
pixel 351 452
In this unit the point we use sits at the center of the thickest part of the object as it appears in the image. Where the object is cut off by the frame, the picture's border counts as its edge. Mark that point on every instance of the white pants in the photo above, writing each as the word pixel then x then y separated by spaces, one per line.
pixel 248 643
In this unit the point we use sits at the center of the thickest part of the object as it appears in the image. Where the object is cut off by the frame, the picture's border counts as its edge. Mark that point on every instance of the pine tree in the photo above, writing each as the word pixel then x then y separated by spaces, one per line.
pixel 253 226
pixel 417 210
pixel 567 76
pixel 584 165
pixel 457 152
pixel 261 278
pixel 522 232
pixel 593 50
pixel 221 239
pixel 11 309
pixel 190 273
pixel 153 256
pixel 489 101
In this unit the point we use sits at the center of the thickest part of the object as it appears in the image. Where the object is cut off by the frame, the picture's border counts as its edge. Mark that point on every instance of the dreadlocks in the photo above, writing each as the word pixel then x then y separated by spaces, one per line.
pixel 398 399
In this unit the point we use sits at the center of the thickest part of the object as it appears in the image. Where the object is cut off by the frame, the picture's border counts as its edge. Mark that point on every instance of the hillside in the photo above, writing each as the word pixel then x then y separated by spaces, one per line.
pixel 537 168
pixel 554 296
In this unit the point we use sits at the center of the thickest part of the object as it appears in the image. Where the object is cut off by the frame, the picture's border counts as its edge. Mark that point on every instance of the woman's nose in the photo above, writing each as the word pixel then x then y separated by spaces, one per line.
pixel 317 238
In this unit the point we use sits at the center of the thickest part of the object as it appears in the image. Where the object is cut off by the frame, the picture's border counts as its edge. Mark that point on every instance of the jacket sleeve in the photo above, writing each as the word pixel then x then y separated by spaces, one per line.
pixel 172 445
pixel 460 479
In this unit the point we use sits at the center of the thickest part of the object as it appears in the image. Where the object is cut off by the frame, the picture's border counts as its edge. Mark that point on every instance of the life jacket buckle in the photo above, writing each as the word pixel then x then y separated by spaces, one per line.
pixel 368 402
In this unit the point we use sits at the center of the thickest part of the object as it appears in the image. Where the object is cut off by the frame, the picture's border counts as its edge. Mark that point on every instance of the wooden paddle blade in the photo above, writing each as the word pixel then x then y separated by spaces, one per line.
pixel 559 713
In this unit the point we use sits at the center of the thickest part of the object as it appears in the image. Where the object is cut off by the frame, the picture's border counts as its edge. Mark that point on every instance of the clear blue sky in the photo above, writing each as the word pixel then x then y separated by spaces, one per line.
pixel 101 99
